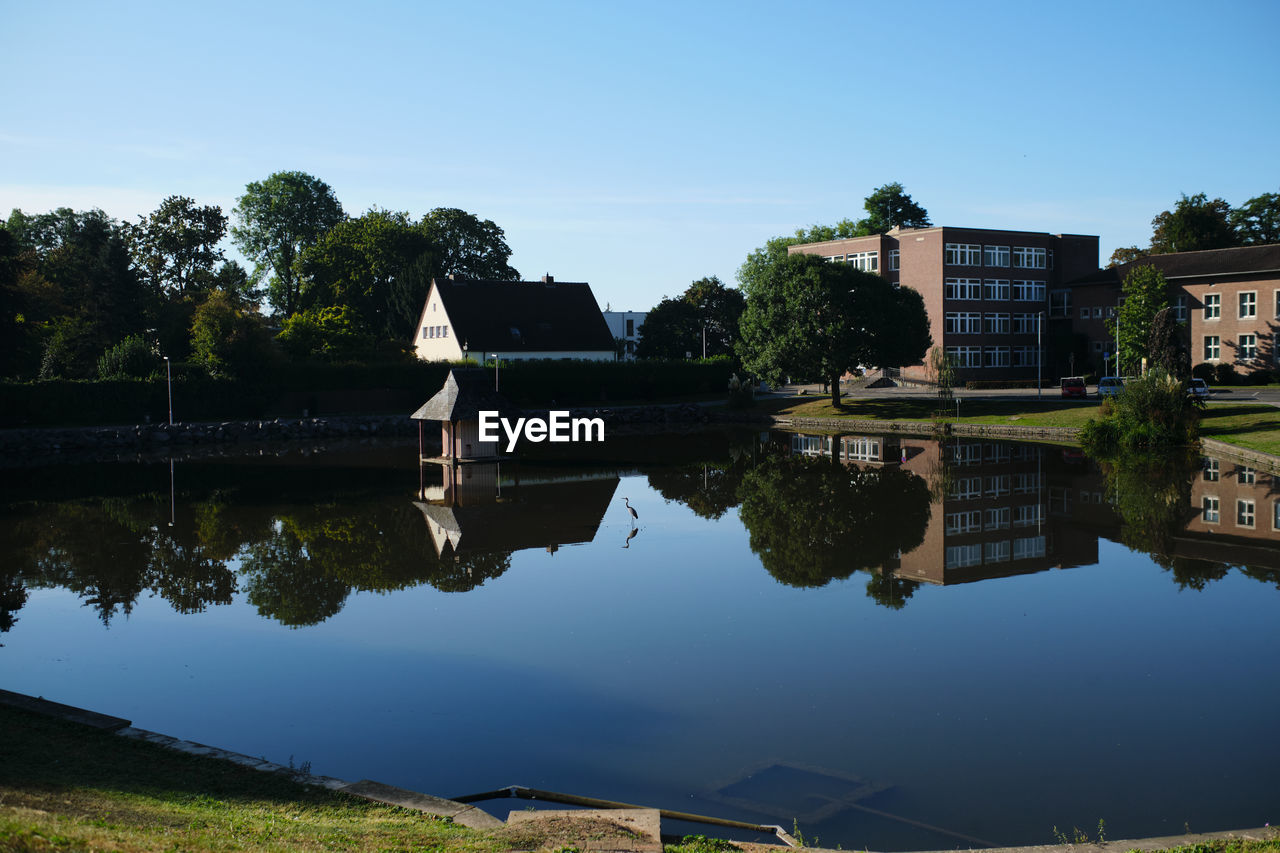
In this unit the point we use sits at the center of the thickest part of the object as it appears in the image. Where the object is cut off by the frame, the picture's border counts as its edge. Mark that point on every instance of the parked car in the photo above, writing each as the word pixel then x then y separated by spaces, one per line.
pixel 1110 386
pixel 1199 389
pixel 1073 386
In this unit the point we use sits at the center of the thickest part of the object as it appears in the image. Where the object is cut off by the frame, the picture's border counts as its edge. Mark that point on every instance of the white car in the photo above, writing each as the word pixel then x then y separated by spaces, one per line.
pixel 1199 389
pixel 1110 386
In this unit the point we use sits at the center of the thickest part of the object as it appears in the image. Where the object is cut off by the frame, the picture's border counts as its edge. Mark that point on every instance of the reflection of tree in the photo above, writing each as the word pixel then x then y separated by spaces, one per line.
pixel 465 573
pixel 1153 498
pixel 890 591
pixel 709 490
pixel 285 585
pixel 812 520
pixel 1190 573
pixel 13 594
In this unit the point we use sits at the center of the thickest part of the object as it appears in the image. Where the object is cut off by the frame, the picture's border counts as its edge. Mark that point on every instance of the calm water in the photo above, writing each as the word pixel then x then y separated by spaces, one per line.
pixel 992 639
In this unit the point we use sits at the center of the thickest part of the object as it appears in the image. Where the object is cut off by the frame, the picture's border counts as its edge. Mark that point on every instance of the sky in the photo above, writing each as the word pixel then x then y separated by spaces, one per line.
pixel 640 146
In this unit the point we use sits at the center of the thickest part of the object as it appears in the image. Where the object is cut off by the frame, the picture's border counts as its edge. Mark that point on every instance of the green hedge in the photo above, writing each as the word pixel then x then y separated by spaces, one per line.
pixel 197 397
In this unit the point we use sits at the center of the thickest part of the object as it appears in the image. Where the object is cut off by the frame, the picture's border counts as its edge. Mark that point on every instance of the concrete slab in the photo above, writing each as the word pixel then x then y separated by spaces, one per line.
pixel 597 830
pixel 460 813
pixel 65 712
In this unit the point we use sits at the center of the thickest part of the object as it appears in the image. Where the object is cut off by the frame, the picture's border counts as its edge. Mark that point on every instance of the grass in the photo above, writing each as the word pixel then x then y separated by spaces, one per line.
pixel 1256 427
pixel 1228 845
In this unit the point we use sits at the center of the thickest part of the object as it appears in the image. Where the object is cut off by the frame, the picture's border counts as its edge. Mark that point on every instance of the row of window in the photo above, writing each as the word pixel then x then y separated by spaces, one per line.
pixel 977 520
pixel 975 255
pixel 1246 305
pixel 868 261
pixel 1246 347
pixel 994 485
pixel 1245 512
pixel 435 332
pixel 1245 475
pixel 993 290
pixel 973 323
pixel 962 556
pixel 993 356
pixel 973 453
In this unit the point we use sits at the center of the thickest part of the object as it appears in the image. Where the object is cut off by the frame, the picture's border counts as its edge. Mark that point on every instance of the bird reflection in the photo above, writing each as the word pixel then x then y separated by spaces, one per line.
pixel 630 536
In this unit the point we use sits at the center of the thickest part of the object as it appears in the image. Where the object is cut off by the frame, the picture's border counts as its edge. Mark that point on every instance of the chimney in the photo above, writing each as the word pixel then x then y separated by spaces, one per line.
pixel 548 279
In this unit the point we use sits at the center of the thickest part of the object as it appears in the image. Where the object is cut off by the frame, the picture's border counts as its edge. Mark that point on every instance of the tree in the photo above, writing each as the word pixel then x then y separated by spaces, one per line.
pixel 1144 293
pixel 325 333
pixel 1195 223
pixel 468 246
pixel 676 326
pixel 227 340
pixel 806 317
pixel 888 207
pixel 176 246
pixel 1257 221
pixel 1125 254
pixel 277 220
pixel 1168 347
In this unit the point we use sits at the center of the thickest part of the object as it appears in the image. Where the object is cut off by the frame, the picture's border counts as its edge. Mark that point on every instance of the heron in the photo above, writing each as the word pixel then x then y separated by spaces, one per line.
pixel 631 509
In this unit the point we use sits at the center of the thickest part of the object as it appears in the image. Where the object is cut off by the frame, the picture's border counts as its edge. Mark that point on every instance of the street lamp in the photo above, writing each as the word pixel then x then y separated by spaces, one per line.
pixel 168 377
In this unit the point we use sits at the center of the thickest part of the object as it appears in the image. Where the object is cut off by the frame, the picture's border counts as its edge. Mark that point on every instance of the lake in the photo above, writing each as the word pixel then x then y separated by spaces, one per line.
pixel 895 642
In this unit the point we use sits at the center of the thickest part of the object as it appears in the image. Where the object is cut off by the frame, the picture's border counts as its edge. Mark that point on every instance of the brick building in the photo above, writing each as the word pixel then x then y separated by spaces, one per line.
pixel 989 293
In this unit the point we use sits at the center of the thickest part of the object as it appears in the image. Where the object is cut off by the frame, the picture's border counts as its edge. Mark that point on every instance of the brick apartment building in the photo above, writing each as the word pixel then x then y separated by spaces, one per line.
pixel 1230 299
pixel 989 293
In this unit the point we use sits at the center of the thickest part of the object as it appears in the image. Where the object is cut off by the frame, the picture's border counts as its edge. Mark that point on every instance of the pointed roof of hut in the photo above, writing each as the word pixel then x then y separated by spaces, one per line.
pixel 466 392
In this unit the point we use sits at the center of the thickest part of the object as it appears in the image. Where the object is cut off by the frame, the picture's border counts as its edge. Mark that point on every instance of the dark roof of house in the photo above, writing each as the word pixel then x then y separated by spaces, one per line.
pixel 1241 260
pixel 466 392
pixel 524 316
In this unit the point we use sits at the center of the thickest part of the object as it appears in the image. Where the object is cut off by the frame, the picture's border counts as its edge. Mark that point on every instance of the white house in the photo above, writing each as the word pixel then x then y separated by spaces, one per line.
pixel 625 326
pixel 512 320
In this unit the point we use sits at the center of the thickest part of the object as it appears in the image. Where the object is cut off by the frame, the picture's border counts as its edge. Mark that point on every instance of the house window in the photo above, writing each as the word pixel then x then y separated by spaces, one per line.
pixel 962 288
pixel 1211 470
pixel 1278 304
pixel 996 452
pixel 996 519
pixel 1209 507
pixel 862 449
pixel 962 323
pixel 1212 347
pixel 964 522
pixel 1248 348
pixel 961 556
pixel 1212 306
pixel 997 485
pixel 1024 324
pixel 995 256
pixel 995 357
pixel 424 332
pixel 835 259
pixel 866 261
pixel 1028 291
pixel 995 324
pixel 996 552
pixel 444 331
pixel 966 488
pixel 1248 304
pixel 1026 516
pixel 963 254
pixel 1097 312
pixel 1275 515
pixel 1084 312
pixel 1026 356
pixel 1246 476
pixel 895 259
pixel 1244 513
pixel 1060 303
pixel 1180 309
pixel 996 290
pixel 965 356
pixel 1032 259
pixel 1026 548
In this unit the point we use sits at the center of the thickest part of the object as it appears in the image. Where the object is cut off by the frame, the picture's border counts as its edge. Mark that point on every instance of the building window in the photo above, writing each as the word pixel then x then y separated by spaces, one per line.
pixel 995 256
pixel 1051 259
pixel 1084 312
pixel 1032 259
pixel 1209 507
pixel 862 449
pixel 962 323
pixel 969 521
pixel 996 519
pixel 1212 347
pixel 835 259
pixel 895 259
pixel 1097 312
pixel 1028 291
pixel 963 254
pixel 1248 304
pixel 1026 515
pixel 867 261
pixel 965 356
pixel 1278 304
pixel 1246 476
pixel 1024 324
pixel 1026 356
pixel 1211 470
pixel 961 556
pixel 997 485
pixel 995 324
pixel 995 357
pixel 631 328
pixel 966 488
pixel 962 288
pixel 1060 303
pixel 996 290
pixel 1244 513
pixel 1248 348
pixel 1212 306
pixel 1032 546
pixel 1097 346
pixel 996 552
pixel 1180 309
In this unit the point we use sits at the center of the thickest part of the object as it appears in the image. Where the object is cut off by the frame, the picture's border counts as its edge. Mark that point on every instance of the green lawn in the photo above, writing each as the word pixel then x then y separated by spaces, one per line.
pixel 1254 426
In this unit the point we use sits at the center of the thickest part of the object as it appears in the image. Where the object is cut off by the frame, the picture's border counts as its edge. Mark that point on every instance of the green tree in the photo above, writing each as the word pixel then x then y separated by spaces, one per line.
pixel 1152 413
pixel 132 358
pixel 277 219
pixel 1257 221
pixel 676 325
pixel 1125 254
pixel 176 246
pixel 670 330
pixel 1195 223
pixel 1144 293
pixel 809 318
pixel 888 207
pixel 331 334
pixel 228 340
pixel 1168 347
pixel 466 245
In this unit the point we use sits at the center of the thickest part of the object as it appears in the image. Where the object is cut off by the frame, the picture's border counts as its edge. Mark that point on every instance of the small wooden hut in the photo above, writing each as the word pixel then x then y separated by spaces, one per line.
pixel 466 393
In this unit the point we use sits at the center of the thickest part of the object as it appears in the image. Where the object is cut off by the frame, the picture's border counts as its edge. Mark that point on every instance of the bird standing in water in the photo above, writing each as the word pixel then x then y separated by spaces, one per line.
pixel 631 509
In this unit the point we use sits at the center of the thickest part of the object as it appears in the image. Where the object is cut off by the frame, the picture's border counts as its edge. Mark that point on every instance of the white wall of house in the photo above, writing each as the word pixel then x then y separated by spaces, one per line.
pixel 434 339
pixel 626 325
pixel 585 355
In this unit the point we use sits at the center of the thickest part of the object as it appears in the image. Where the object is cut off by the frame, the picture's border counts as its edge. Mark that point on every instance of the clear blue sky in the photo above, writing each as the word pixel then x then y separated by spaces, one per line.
pixel 640 146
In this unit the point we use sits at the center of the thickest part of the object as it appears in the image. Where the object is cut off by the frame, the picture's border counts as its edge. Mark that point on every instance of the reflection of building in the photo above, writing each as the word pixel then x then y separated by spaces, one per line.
pixel 486 506
pixel 1237 516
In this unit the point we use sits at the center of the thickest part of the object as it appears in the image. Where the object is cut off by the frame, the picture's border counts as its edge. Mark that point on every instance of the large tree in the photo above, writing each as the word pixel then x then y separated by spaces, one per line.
pixel 677 325
pixel 466 245
pixel 1195 223
pixel 1145 294
pixel 277 219
pixel 1257 221
pixel 888 207
pixel 176 246
pixel 810 318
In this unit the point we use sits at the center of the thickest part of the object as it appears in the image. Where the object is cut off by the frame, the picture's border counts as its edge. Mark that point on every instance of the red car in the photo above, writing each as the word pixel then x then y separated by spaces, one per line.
pixel 1073 386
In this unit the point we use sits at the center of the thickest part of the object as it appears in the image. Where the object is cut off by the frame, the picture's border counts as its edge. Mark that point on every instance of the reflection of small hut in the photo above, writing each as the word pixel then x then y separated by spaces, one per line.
pixel 466 393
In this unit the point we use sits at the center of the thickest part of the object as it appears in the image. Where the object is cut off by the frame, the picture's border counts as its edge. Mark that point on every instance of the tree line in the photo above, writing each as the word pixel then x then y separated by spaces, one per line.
pixel 1197 222
pixel 83 295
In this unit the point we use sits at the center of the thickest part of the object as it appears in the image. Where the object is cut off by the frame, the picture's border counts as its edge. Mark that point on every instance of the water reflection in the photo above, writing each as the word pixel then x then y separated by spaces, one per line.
pixel 298 541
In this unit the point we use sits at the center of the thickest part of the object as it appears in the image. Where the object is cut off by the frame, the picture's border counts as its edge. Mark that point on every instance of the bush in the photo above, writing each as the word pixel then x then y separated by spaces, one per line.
pixel 1206 371
pixel 132 358
pixel 1225 374
pixel 1259 377
pixel 1152 412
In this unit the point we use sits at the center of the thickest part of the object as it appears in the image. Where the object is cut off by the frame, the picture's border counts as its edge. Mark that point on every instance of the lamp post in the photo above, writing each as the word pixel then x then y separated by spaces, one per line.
pixel 168 377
